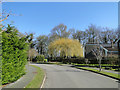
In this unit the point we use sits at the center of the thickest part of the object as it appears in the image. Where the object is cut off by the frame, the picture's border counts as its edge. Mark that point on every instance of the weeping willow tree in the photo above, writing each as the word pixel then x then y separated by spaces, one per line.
pixel 65 47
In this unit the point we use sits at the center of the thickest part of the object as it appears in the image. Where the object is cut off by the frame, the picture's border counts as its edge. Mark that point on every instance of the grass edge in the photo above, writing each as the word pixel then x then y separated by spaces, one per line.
pixel 35 77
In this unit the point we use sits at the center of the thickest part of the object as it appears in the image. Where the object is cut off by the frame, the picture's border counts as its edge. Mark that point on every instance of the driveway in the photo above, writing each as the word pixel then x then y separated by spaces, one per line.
pixel 68 77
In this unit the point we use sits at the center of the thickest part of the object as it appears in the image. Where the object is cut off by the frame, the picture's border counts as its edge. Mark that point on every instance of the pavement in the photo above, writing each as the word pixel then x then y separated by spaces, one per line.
pixel 68 77
pixel 110 71
pixel 23 81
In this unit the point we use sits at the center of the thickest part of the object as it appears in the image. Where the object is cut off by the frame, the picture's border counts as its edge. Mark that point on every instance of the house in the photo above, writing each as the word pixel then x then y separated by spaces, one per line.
pixel 90 47
pixel 107 49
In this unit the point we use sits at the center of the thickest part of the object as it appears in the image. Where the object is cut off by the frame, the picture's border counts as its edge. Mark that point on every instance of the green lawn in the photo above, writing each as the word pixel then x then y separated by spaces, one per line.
pixel 37 80
pixel 102 72
pixel 94 64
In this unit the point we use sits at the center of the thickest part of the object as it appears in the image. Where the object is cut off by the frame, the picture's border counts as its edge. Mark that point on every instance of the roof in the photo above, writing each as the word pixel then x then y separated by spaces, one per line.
pixel 106 47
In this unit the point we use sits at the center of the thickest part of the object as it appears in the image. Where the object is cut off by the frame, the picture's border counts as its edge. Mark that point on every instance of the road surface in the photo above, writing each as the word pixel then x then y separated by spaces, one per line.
pixel 68 77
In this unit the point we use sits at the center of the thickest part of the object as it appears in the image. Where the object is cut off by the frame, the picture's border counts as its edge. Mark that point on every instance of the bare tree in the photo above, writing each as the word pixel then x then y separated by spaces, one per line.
pixel 98 52
pixel 93 34
pixel 32 53
pixel 41 44
pixel 109 36
pixel 79 35
pixel 4 15
pixel 59 31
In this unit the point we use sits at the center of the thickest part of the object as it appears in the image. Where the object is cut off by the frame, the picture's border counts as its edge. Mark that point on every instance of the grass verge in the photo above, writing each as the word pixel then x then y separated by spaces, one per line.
pixel 94 64
pixel 37 80
pixel 104 66
pixel 116 76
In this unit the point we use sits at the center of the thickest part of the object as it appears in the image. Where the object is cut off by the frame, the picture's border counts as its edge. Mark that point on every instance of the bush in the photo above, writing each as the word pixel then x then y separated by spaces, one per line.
pixel 93 61
pixel 40 58
pixel 34 59
pixel 113 60
pixel 78 60
pixel 45 60
pixel 14 55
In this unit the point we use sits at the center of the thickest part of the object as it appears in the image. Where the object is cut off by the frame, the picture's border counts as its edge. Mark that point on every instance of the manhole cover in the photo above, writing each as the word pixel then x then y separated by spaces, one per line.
pixel 35 72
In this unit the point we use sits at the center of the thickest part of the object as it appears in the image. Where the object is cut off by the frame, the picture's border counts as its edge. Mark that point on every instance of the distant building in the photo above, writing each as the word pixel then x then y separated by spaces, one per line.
pixel 108 49
pixel 90 47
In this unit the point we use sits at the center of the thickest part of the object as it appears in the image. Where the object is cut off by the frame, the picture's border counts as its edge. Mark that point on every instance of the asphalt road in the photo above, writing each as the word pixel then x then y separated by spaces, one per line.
pixel 68 77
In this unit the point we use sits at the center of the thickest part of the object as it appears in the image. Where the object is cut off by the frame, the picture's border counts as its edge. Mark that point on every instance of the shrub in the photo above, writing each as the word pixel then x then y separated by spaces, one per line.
pixel 40 58
pixel 79 60
pixel 0 54
pixel 14 55
pixel 112 60
pixel 34 59
pixel 45 60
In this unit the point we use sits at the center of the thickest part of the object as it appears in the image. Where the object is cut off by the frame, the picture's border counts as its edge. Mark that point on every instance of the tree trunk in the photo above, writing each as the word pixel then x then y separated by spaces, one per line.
pixel 41 50
pixel 79 39
pixel 29 55
pixel 100 65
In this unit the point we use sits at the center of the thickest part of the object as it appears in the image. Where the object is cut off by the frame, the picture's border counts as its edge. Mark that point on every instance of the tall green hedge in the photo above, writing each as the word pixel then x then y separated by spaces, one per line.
pixel 14 55
pixel 0 56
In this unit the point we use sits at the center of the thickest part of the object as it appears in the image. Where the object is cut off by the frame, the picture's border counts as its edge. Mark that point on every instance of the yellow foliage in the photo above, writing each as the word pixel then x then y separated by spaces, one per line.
pixel 65 47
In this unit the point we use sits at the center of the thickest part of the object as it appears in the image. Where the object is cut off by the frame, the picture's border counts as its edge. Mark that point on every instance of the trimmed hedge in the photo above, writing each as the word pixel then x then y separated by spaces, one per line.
pixel 14 55
pixel 0 56
pixel 80 60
